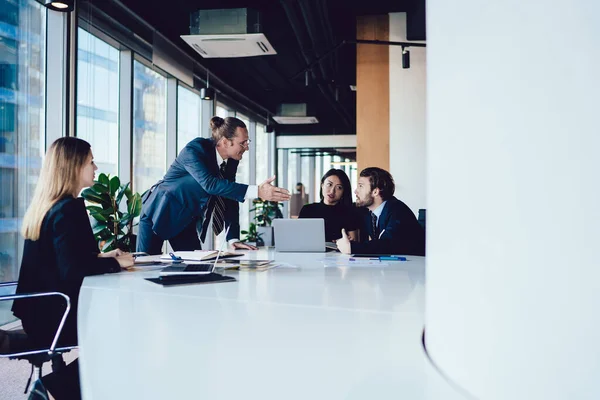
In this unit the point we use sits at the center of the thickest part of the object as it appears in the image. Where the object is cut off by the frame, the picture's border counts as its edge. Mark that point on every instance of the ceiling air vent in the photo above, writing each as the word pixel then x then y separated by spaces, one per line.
pixel 293 114
pixel 228 33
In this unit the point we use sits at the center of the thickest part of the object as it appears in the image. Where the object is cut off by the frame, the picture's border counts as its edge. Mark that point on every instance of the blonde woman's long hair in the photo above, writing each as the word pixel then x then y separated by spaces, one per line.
pixel 59 178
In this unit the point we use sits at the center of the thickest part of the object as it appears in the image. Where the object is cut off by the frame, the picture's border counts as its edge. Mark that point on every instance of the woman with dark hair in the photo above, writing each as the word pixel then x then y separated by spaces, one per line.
pixel 335 206
pixel 59 251
pixel 199 187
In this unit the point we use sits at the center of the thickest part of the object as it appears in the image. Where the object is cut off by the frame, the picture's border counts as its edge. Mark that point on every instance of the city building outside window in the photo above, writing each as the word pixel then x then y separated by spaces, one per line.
pixel 149 127
pixel 98 99
pixel 189 117
pixel 22 125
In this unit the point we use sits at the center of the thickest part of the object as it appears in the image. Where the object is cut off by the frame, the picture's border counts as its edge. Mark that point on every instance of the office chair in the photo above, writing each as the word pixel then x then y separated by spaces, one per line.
pixel 17 346
pixel 422 217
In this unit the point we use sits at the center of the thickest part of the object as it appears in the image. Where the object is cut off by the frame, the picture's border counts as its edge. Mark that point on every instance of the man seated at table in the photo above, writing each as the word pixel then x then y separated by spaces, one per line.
pixel 391 226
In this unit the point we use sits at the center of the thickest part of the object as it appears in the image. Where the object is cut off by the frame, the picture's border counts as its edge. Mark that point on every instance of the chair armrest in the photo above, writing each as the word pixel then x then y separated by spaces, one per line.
pixel 45 294
pixel 6 284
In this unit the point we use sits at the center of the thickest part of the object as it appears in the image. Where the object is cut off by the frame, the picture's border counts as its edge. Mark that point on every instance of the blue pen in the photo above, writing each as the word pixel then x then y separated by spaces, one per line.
pixel 176 259
pixel 392 258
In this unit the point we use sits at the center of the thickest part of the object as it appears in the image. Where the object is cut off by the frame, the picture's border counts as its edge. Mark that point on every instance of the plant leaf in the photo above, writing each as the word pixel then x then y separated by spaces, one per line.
pixel 121 193
pixel 134 208
pixel 91 196
pixel 103 235
pixel 103 179
pixel 99 228
pixel 128 194
pixel 94 209
pixel 100 188
pixel 114 185
pixel 99 217
pixel 108 211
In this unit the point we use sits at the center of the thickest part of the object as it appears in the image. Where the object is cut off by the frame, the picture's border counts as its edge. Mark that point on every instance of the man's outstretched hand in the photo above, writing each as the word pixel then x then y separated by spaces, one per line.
pixel 343 244
pixel 268 192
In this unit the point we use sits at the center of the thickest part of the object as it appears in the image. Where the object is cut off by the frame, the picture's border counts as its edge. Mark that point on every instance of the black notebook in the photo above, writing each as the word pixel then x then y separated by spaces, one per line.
pixel 172 280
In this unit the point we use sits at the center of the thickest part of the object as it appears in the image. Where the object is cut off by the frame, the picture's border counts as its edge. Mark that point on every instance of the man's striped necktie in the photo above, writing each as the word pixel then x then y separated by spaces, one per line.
pixel 218 216
pixel 374 226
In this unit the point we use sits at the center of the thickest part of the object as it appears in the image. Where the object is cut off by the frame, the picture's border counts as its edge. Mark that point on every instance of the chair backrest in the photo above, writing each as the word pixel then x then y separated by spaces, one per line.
pixel 422 215
pixel 15 344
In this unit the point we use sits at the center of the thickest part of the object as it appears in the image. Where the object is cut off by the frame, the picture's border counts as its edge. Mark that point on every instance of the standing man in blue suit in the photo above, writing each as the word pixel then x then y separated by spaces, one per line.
pixel 199 187
pixel 392 226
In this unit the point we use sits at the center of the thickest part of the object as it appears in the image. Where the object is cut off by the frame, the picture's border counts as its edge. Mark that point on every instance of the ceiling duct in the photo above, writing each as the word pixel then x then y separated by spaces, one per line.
pixel 293 114
pixel 228 33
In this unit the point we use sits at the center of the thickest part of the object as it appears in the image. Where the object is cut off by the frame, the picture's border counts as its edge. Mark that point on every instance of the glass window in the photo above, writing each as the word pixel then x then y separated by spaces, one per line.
pixel 327 163
pixel 318 175
pixel 189 117
pixel 353 177
pixel 292 168
pixel 280 171
pixel 308 185
pixel 222 111
pixel 22 122
pixel 98 99
pixel 243 176
pixel 262 148
pixel 149 127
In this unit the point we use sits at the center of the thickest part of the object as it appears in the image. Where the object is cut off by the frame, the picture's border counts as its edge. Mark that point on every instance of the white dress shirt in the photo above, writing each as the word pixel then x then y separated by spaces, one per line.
pixel 377 212
pixel 251 193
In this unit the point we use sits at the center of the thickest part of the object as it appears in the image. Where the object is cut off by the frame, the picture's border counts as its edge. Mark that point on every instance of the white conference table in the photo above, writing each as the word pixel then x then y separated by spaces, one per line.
pixel 299 331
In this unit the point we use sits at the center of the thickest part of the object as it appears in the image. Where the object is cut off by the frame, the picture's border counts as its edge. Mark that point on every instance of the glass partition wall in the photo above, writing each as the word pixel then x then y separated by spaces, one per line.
pixel 121 106
pixel 22 120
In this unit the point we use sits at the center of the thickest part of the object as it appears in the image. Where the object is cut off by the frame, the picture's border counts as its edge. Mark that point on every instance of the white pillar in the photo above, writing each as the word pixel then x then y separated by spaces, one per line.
pixel 407 118
pixel 514 218
pixel 310 185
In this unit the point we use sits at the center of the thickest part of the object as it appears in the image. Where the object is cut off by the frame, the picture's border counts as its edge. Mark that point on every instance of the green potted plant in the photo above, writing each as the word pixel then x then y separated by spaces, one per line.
pixel 253 237
pixel 264 214
pixel 113 228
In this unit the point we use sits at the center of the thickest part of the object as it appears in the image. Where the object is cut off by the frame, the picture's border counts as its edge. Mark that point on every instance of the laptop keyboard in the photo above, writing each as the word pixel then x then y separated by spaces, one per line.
pixel 198 267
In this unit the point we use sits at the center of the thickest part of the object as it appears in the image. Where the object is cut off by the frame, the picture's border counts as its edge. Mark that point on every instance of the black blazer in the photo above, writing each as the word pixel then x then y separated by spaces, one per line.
pixel 403 234
pixel 65 253
pixel 187 187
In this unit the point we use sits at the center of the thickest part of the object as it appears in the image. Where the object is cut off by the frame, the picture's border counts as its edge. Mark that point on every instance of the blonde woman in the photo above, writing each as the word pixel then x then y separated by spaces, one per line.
pixel 59 251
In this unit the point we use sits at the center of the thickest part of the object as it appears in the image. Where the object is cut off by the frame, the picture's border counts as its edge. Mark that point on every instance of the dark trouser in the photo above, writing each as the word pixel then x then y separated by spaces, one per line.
pixel 149 242
pixel 64 383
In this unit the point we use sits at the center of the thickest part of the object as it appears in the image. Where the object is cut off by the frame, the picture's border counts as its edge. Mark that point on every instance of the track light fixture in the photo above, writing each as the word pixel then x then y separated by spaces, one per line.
pixel 405 58
pixel 60 5
pixel 268 127
pixel 207 93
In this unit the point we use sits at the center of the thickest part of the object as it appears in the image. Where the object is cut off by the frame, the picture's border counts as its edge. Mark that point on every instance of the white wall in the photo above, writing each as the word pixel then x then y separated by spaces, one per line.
pixel 513 272
pixel 407 119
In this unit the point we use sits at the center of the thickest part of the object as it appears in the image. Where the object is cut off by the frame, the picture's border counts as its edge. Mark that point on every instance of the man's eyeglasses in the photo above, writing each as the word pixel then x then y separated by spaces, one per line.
pixel 245 144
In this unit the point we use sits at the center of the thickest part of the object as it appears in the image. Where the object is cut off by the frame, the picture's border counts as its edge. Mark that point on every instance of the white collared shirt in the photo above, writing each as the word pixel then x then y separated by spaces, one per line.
pixel 379 210
pixel 251 192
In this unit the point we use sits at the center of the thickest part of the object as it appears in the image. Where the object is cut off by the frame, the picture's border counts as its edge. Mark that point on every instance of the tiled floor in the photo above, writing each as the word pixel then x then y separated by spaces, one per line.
pixel 14 375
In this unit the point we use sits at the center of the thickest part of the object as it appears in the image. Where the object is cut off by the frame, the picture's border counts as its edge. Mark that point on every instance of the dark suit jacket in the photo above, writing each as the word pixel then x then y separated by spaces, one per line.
pixel 402 235
pixel 65 253
pixel 186 189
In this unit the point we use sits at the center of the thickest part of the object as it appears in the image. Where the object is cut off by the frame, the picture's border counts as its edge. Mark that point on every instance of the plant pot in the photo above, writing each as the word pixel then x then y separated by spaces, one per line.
pixel 266 234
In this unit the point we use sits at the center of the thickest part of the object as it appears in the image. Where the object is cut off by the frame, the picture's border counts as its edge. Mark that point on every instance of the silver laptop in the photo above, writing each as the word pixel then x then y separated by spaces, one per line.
pixel 299 235
pixel 194 268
